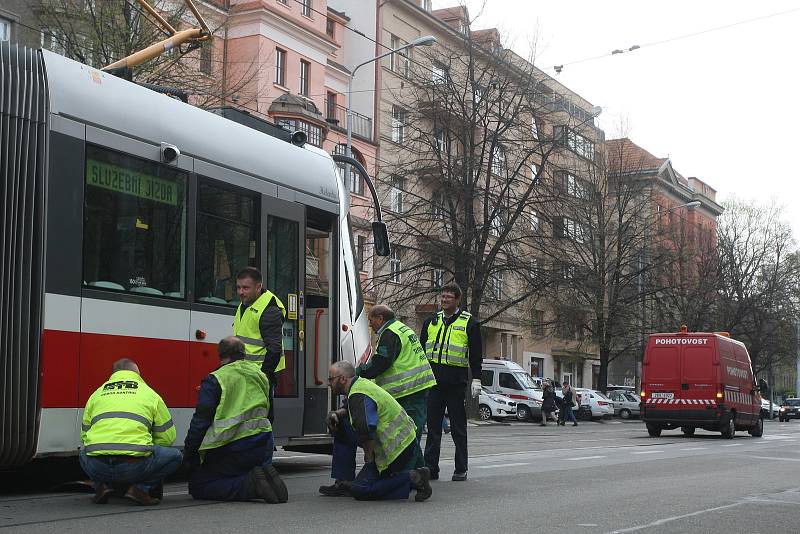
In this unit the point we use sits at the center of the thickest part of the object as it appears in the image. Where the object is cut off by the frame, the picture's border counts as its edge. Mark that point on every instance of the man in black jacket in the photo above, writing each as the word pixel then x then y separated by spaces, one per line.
pixel 452 341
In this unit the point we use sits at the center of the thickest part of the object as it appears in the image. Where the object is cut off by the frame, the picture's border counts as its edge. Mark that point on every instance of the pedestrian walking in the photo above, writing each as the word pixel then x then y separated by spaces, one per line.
pixel 127 431
pixel 258 323
pixel 229 444
pixel 375 421
pixel 548 403
pixel 452 341
pixel 568 405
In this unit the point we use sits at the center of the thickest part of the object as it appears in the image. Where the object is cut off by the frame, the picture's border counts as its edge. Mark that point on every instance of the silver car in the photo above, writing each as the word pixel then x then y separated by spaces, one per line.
pixel 626 404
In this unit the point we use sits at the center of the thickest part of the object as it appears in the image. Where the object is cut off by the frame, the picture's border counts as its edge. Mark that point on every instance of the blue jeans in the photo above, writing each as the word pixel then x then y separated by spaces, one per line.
pixel 146 473
pixel 369 485
pixel 224 475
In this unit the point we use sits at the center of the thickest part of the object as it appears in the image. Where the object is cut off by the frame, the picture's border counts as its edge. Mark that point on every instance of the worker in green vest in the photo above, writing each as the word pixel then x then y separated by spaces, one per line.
pixel 229 444
pixel 258 323
pixel 452 341
pixel 399 366
pixel 127 431
pixel 375 421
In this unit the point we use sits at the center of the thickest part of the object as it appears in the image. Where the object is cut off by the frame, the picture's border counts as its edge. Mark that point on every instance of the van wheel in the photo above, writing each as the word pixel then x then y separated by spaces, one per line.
pixel 523 412
pixel 728 427
pixel 687 430
pixel 484 412
pixel 758 430
pixel 625 413
pixel 654 431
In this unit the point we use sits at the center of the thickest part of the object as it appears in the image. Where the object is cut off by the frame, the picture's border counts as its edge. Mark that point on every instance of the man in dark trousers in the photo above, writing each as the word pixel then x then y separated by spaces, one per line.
pixel 452 342
pixel 229 443
pixel 258 323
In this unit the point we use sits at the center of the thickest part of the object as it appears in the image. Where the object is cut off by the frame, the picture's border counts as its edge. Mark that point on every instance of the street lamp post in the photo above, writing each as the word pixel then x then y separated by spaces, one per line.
pixel 428 40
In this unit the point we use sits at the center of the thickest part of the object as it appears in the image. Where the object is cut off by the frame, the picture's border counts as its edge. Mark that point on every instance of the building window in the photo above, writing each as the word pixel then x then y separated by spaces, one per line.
pixel 395 265
pixel 354 182
pixel 331 106
pixel 305 7
pixel 5 29
pixel 536 224
pixel 280 67
pixel 437 207
pixel 313 132
pixel 54 41
pixel 396 195
pixel 537 366
pixel 498 161
pixel 134 230
pixel 496 285
pixel 534 128
pixel 399 62
pixel 398 124
pixel 330 27
pixel 361 250
pixel 206 58
pixel 534 172
pixel 228 224
pixel 442 142
pixel 580 144
pixel 437 277
pixel 305 70
pixel 439 74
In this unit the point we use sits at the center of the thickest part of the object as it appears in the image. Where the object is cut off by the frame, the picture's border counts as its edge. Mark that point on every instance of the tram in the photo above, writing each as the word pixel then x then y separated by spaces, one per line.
pixel 125 217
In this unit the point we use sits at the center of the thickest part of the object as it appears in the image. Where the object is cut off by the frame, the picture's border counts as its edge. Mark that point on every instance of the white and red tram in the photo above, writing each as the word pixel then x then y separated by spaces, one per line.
pixel 125 216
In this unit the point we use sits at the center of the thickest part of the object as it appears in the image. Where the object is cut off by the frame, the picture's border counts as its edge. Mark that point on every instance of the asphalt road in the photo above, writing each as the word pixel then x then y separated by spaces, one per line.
pixel 596 478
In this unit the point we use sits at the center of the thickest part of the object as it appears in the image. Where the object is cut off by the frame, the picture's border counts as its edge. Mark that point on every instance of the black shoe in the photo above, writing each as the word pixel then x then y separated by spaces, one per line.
pixel 574 424
pixel 157 491
pixel 542 424
pixel 262 487
pixel 459 477
pixel 102 493
pixel 421 481
pixel 275 480
pixel 340 488
pixel 139 496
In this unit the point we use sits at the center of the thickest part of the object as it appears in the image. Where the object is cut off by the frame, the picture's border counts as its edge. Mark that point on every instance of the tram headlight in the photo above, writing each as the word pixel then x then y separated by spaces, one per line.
pixel 169 153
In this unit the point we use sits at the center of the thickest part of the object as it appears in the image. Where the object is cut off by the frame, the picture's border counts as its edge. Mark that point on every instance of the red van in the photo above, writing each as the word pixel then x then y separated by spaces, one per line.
pixel 699 380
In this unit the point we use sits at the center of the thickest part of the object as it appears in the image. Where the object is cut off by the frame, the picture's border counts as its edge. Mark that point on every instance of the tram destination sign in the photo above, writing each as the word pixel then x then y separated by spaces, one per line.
pixel 130 182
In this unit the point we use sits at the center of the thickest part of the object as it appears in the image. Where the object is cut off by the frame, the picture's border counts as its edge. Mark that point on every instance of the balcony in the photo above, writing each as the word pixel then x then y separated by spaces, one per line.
pixel 336 116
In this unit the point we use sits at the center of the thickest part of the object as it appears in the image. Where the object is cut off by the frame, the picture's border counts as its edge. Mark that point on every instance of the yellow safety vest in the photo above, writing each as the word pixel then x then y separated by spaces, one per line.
pixel 125 417
pixel 410 372
pixel 395 431
pixel 246 328
pixel 448 346
pixel 243 405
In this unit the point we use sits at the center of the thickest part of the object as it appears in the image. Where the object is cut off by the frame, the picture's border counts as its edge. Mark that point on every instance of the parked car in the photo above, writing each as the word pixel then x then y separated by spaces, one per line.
pixel 776 409
pixel 509 379
pixel 593 404
pixel 626 404
pixel 790 409
pixel 494 406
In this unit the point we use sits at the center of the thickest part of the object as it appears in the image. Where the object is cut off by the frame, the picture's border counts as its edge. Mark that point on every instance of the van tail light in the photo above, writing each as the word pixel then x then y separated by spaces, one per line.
pixel 641 394
pixel 719 394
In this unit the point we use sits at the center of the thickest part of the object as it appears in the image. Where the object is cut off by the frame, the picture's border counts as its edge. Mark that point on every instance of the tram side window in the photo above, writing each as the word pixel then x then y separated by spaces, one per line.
pixel 134 232
pixel 227 237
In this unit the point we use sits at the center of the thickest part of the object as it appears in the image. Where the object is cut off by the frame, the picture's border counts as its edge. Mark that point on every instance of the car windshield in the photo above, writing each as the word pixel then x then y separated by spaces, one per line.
pixel 526 380
pixel 792 402
pixel 600 395
pixel 631 397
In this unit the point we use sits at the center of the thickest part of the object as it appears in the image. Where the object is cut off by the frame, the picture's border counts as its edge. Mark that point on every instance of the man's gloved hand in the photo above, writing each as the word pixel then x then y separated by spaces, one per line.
pixel 476 387
pixel 332 421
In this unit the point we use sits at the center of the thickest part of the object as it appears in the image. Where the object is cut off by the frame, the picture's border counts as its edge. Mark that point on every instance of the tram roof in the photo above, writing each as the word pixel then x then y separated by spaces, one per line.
pixel 95 97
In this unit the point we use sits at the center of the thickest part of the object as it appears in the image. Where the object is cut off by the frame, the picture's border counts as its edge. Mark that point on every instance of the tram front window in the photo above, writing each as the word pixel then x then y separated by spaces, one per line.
pixel 134 232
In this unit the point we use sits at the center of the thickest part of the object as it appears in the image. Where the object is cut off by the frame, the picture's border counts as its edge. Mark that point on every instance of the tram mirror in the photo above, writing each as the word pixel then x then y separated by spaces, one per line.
pixel 380 237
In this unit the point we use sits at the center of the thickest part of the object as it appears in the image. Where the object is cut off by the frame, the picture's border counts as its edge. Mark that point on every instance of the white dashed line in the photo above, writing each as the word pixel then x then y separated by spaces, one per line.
pixel 695 449
pixel 646 452
pixel 497 466
pixel 732 445
pixel 585 458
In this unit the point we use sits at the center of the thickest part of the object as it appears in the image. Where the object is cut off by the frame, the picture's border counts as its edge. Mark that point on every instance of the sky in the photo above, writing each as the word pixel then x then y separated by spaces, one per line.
pixel 722 104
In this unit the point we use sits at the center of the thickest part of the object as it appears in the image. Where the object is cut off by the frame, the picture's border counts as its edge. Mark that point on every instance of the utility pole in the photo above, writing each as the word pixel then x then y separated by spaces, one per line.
pixel 797 362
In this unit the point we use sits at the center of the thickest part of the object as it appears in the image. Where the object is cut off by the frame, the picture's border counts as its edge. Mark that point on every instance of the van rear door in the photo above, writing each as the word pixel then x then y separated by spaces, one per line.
pixel 662 373
pixel 699 373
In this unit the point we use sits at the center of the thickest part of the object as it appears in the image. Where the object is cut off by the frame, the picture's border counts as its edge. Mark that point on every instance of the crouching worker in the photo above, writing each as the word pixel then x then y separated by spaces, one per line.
pixel 229 444
pixel 127 432
pixel 375 421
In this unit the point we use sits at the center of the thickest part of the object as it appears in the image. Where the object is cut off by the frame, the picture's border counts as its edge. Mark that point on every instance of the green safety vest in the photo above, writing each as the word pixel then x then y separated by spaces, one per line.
pixel 396 430
pixel 246 328
pixel 448 346
pixel 243 405
pixel 410 372
pixel 125 417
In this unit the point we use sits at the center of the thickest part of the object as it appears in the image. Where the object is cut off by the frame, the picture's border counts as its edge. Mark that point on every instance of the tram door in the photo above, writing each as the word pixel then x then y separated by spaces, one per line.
pixel 284 274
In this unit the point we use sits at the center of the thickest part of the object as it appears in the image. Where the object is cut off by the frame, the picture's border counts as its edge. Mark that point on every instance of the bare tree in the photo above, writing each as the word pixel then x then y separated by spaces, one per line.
pixel 100 33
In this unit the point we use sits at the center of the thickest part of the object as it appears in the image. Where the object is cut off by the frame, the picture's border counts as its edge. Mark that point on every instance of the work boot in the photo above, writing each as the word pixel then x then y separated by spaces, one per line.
pixel 459 477
pixel 102 493
pixel 139 496
pixel 574 424
pixel 274 480
pixel 157 491
pixel 340 488
pixel 421 481
pixel 263 488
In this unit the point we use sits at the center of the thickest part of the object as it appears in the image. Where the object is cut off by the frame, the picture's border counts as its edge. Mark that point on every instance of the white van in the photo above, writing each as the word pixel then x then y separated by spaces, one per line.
pixel 509 379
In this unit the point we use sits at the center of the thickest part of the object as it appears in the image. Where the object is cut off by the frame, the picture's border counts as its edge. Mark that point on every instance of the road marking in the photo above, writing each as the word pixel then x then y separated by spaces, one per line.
pixel 732 445
pixel 695 449
pixel 646 452
pixel 587 524
pixel 776 458
pixel 585 458
pixel 495 466
pixel 674 518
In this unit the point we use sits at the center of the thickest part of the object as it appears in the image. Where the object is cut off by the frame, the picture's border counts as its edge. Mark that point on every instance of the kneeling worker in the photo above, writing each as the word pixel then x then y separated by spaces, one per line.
pixel 375 420
pixel 127 432
pixel 229 444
